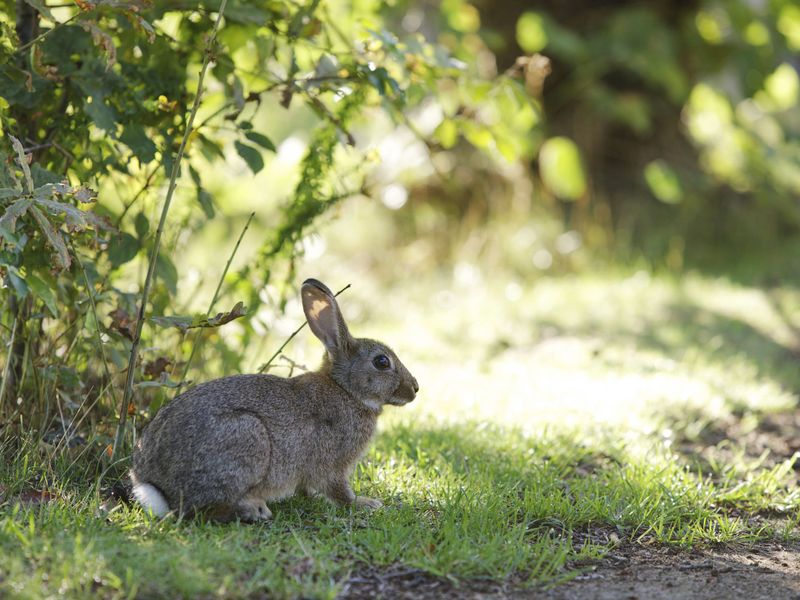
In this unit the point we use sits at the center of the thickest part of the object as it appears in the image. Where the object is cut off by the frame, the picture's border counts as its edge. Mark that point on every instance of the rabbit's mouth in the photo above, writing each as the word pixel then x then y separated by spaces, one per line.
pixel 404 393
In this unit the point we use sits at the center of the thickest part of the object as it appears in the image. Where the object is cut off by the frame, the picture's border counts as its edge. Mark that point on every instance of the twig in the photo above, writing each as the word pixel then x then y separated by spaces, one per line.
pixel 267 364
pixel 126 397
pixel 41 36
pixel 7 368
pixel 213 302
pixel 96 323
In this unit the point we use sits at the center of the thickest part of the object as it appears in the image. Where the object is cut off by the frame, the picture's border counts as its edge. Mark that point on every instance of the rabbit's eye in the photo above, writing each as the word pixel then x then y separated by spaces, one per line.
pixel 381 362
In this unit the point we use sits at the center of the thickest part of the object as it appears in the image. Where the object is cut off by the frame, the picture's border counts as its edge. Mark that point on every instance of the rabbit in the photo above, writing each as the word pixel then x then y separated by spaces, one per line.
pixel 228 446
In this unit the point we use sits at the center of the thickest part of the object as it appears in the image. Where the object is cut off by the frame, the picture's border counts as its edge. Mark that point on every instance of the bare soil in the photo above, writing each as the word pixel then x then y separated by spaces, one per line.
pixel 763 572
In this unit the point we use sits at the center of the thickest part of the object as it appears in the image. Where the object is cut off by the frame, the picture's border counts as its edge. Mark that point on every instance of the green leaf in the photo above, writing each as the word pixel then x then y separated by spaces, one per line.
pixel 182 322
pixel 166 271
pixel 8 221
pixel 447 133
pixel 6 193
pixel 251 156
pixel 261 140
pixel 41 7
pixel 135 137
pixel 663 182
pixel 53 236
pixel 185 322
pixel 42 290
pixel 17 282
pixel 561 169
pixel 42 176
pixel 22 161
pixel 163 381
pixel 206 201
pixel 142 226
pixel 477 134
pixel 76 218
pixel 531 33
pixel 102 115
pixel 122 248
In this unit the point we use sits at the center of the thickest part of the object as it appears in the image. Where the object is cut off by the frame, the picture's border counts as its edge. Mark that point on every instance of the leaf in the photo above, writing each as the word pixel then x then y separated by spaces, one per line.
pixel 122 322
pixel 261 140
pixel 53 236
pixel 181 322
pixel 206 201
pixel 561 168
pixel 531 33
pixel 8 221
pixel 17 282
pixel 85 195
pixel 122 248
pixel 36 497
pixel 663 182
pixel 221 318
pixel 166 271
pixel 135 137
pixel 251 156
pixel 41 8
pixel 76 219
pixel 42 290
pixel 22 161
pixel 142 226
pixel 155 368
pixel 6 193
pixel 446 133
pixel 185 322
pixel 102 115
pixel 163 381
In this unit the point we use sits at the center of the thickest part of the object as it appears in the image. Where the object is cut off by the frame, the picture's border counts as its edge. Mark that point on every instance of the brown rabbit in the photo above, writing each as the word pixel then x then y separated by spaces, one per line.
pixel 229 446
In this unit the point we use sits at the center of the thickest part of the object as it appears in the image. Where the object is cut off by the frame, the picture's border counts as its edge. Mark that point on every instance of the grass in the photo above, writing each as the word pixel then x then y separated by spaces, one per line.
pixel 556 421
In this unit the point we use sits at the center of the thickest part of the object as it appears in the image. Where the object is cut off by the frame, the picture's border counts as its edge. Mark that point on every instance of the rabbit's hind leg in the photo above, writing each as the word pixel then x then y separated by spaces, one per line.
pixel 252 509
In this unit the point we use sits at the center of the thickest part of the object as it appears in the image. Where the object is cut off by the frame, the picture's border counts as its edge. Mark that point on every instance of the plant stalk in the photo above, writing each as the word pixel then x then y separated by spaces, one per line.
pixel 267 364
pixel 213 301
pixel 128 394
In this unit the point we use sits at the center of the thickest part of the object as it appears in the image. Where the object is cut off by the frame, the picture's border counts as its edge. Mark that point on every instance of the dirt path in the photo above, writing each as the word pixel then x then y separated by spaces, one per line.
pixel 766 571
pixel 763 572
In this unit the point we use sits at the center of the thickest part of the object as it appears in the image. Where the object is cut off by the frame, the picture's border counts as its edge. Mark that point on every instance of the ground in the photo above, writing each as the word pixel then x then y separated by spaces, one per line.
pixel 615 435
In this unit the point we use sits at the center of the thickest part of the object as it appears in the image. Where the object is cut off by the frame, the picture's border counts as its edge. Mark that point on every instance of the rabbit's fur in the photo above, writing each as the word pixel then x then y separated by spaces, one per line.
pixel 228 446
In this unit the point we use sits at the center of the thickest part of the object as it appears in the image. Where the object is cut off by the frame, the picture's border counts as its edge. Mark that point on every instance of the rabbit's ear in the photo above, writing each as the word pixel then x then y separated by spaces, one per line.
pixel 324 316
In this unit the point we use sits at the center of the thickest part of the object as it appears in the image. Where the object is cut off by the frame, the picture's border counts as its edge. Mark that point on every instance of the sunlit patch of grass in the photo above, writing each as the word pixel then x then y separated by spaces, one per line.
pixel 547 416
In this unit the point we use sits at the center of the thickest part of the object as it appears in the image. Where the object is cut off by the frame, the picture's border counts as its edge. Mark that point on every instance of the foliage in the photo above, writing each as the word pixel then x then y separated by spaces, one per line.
pixel 98 96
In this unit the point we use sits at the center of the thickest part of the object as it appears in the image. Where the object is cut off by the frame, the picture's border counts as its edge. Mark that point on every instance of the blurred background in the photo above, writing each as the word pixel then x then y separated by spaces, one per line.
pixel 512 189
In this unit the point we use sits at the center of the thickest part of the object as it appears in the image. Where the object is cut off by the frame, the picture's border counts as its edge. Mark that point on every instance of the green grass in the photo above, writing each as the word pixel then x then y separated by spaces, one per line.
pixel 553 425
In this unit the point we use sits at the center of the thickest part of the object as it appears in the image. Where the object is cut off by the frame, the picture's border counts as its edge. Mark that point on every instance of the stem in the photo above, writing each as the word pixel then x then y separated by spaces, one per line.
pixel 41 36
pixel 7 368
pixel 126 397
pixel 96 324
pixel 213 302
pixel 267 364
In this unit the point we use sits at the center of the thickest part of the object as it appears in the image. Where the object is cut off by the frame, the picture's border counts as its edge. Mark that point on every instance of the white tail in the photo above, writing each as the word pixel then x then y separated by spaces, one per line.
pixel 151 499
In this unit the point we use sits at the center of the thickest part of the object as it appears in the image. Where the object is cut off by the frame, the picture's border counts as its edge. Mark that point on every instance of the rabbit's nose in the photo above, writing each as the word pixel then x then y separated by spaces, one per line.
pixel 414 385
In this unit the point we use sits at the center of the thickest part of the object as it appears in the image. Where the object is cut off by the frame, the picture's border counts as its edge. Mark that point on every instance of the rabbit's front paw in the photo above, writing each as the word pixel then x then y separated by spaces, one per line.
pixel 366 502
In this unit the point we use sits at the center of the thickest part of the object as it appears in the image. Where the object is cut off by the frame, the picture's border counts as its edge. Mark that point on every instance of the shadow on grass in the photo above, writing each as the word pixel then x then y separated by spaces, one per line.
pixel 469 505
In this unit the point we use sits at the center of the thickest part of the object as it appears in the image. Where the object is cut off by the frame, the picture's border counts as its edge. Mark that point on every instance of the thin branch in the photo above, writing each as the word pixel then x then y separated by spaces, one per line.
pixel 126 397
pixel 7 368
pixel 212 303
pixel 267 364
pixel 41 36
pixel 96 323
